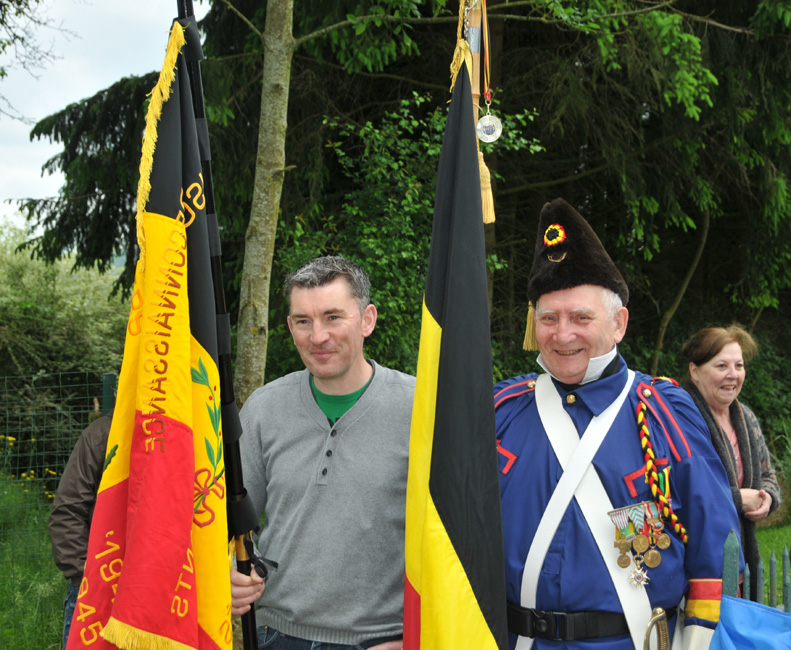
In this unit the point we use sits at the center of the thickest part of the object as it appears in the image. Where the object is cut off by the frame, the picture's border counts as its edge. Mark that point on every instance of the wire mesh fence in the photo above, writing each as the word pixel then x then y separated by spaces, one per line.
pixel 41 417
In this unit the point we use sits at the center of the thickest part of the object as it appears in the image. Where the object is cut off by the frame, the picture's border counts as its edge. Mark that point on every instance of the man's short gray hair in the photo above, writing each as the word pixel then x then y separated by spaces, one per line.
pixel 321 271
pixel 612 302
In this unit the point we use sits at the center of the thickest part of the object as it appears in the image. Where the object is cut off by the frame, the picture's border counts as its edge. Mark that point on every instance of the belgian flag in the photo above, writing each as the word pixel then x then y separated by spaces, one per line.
pixel 157 573
pixel 455 581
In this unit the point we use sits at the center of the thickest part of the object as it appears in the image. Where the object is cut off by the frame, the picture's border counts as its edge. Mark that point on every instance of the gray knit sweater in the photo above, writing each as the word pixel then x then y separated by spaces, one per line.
pixel 335 500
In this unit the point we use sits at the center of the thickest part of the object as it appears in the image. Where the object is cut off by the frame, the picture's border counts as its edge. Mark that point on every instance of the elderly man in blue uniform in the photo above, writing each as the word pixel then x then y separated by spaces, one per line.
pixel 614 501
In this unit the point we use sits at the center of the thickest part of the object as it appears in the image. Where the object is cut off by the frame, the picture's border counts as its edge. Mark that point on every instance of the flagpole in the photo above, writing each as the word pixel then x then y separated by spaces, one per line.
pixel 241 513
pixel 475 38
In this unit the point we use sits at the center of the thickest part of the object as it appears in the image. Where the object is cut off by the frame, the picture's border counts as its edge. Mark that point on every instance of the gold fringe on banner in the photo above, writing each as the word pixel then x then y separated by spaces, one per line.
pixel 159 95
pixel 125 636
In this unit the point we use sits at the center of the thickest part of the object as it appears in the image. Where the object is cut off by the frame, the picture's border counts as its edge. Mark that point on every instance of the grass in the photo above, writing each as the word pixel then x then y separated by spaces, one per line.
pixel 33 588
pixel 32 616
pixel 774 538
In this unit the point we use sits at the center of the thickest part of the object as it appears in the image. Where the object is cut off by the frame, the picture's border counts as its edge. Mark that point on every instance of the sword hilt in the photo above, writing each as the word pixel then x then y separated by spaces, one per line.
pixel 659 620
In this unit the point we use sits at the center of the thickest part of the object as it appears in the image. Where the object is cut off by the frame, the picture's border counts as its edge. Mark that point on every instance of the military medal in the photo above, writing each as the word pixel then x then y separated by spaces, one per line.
pixel 652 558
pixel 623 558
pixel 488 128
pixel 640 544
pixel 639 528
pixel 654 528
pixel 624 533
pixel 639 578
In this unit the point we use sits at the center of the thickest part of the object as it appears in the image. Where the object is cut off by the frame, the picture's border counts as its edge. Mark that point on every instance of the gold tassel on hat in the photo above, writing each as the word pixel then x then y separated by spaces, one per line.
pixel 531 342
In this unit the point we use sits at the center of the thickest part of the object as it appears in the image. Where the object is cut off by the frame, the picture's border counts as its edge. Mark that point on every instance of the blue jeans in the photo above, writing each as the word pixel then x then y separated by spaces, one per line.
pixel 69 603
pixel 271 639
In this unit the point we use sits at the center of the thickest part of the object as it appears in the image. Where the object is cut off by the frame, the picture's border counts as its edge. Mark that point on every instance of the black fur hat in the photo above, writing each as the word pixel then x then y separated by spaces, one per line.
pixel 569 254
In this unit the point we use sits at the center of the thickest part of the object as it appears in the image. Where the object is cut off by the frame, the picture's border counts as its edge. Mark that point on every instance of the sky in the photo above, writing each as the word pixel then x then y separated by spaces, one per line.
pixel 111 39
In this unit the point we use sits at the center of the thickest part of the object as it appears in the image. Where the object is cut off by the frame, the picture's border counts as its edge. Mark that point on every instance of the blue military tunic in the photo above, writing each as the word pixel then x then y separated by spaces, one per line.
pixel 574 577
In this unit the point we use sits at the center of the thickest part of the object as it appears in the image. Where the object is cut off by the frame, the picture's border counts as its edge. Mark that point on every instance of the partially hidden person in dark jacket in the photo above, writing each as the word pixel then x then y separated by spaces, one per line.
pixel 72 509
pixel 717 367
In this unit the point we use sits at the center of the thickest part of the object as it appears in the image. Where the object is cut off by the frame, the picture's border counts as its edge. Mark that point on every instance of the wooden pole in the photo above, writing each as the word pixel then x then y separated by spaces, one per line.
pixel 241 513
pixel 475 40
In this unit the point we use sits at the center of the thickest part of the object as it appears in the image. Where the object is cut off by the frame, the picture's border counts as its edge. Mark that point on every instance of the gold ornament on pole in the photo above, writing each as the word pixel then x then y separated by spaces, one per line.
pixel 468 51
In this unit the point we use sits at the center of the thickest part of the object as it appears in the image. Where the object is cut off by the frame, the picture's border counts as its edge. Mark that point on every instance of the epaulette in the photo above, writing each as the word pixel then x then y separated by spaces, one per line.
pixel 514 390
pixel 670 379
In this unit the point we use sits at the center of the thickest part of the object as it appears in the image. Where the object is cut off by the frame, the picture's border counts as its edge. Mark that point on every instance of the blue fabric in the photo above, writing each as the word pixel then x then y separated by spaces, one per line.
pixel 69 603
pixel 574 577
pixel 745 625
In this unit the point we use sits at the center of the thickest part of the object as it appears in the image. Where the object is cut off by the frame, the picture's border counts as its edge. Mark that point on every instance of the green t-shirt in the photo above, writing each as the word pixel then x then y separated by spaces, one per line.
pixel 334 406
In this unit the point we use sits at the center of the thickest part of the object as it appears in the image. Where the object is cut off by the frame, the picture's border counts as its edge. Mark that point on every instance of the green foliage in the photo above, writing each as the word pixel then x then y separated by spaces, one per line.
pixel 383 222
pixel 680 62
pixel 765 390
pixel 675 54
pixel 648 118
pixel 378 33
pixel 94 213
pixel 772 17
pixel 514 138
pixel 53 320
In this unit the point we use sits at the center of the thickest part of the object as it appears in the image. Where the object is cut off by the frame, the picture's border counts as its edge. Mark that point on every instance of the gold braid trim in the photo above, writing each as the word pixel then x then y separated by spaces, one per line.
pixel 652 478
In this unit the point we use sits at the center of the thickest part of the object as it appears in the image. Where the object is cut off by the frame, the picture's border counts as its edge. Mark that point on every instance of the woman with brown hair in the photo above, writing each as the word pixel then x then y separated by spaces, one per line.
pixel 717 357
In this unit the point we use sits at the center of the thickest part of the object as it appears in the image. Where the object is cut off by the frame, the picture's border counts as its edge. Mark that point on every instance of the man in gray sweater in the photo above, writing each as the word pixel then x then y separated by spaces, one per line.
pixel 325 455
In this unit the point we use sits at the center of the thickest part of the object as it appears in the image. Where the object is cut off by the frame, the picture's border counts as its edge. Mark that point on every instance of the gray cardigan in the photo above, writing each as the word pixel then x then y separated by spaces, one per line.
pixel 335 500
pixel 758 471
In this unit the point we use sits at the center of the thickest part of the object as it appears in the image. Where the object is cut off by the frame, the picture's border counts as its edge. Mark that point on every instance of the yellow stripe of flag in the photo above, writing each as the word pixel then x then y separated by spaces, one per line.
pixel 455 586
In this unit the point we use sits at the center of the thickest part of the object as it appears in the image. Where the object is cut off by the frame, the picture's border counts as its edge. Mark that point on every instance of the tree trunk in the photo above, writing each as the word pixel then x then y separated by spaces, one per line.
pixel 660 337
pixel 253 327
